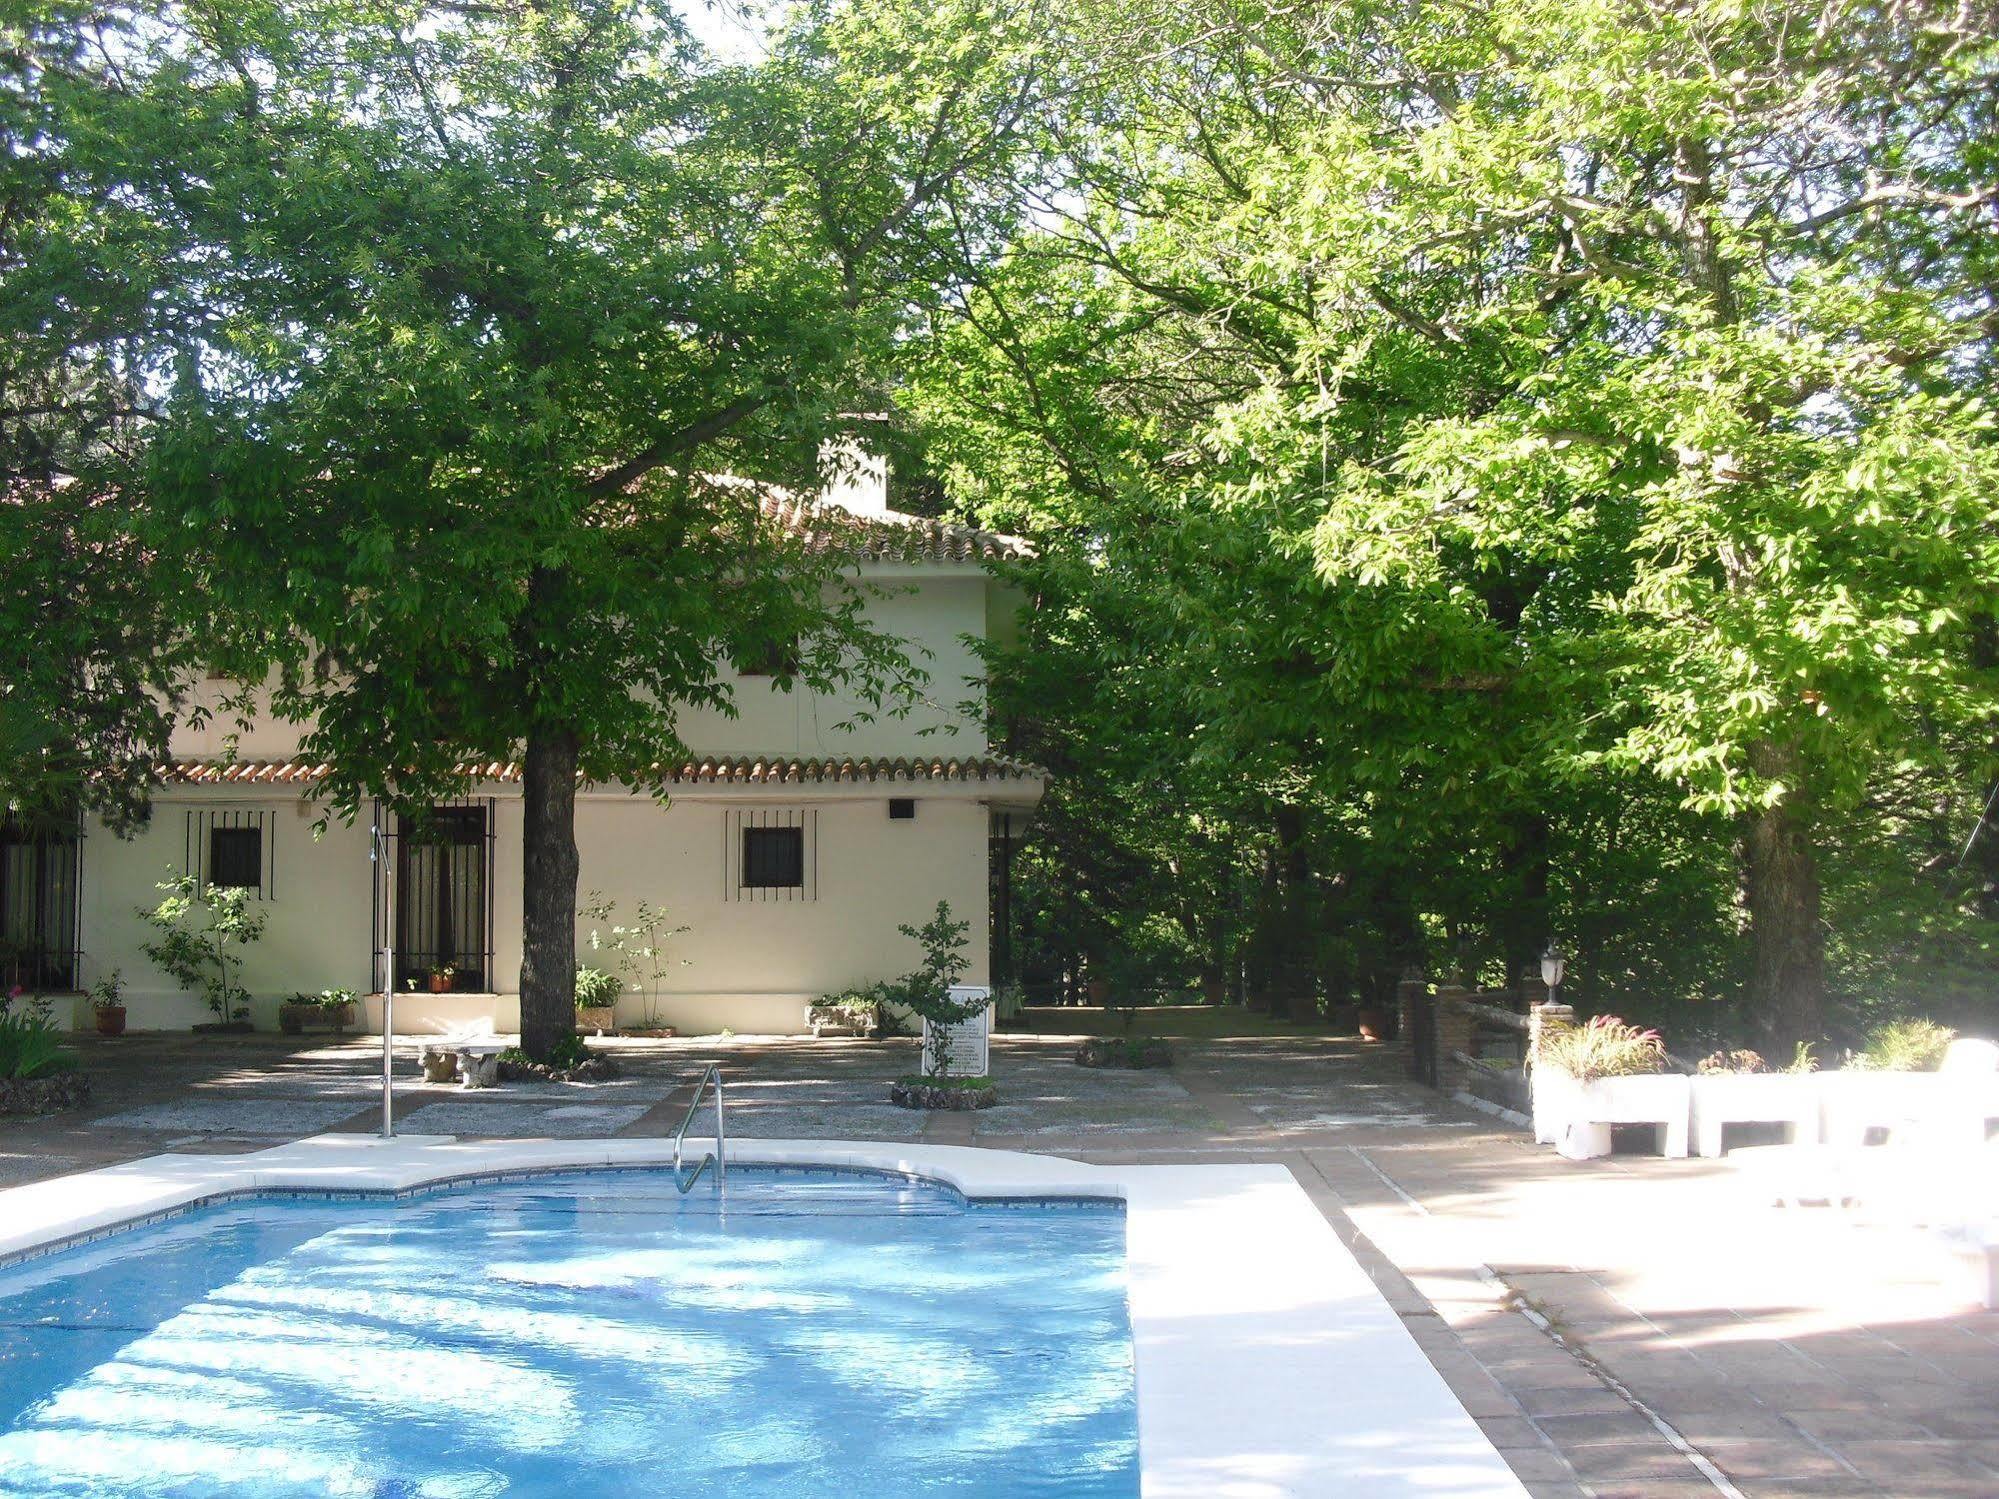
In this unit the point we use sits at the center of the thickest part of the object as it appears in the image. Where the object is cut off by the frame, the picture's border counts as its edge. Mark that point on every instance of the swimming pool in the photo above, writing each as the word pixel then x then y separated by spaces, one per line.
pixel 590 1332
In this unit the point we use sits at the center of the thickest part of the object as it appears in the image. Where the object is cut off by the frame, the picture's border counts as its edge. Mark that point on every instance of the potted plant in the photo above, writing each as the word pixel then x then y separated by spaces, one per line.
pixel 442 978
pixel 1588 1077
pixel 597 998
pixel 107 1003
pixel 333 1006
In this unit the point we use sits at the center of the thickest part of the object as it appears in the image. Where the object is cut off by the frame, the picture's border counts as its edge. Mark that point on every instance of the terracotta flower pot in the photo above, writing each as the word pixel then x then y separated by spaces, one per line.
pixel 1099 991
pixel 440 983
pixel 111 1020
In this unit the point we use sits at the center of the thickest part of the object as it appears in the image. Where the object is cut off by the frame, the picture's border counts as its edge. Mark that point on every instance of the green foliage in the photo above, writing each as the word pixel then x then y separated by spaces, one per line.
pixel 325 999
pixel 871 1009
pixel 567 1052
pixel 641 943
pixel 201 931
pixel 1484 464
pixel 926 992
pixel 937 1080
pixel 596 988
pixel 1905 1046
pixel 438 369
pixel 1602 1047
pixel 108 993
pixel 30 1045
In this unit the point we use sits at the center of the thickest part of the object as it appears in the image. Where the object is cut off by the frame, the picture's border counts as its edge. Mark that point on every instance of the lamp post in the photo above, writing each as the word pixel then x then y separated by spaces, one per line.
pixel 379 851
pixel 1552 966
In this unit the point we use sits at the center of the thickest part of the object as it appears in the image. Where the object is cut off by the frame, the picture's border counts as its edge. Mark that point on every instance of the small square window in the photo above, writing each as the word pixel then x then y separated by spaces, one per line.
pixel 901 808
pixel 777 659
pixel 773 858
pixel 236 858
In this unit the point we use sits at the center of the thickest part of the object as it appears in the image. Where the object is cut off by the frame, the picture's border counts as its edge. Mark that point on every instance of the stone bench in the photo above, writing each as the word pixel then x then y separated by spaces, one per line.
pixel 474 1063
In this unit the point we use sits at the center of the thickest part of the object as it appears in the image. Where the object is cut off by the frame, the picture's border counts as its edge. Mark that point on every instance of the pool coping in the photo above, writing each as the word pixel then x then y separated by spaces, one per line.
pixel 1268 1364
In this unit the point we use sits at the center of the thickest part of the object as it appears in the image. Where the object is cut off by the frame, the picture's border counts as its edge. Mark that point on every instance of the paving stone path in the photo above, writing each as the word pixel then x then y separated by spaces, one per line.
pixel 1626 1329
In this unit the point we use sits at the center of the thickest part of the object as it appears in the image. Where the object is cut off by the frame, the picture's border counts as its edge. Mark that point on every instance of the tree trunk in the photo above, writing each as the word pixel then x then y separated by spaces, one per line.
pixel 548 892
pixel 1787 940
pixel 1524 923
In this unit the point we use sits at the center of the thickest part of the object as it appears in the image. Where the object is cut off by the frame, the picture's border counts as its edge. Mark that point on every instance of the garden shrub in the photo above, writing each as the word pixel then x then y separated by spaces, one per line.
pixel 1604 1047
pixel 1905 1046
pixel 596 989
pixel 200 928
pixel 30 1045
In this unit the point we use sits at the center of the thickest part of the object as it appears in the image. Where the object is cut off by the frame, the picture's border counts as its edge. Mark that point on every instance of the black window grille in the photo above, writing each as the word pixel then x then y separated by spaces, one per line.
pixel 236 858
pixel 233 847
pixel 773 858
pixel 444 911
pixel 40 882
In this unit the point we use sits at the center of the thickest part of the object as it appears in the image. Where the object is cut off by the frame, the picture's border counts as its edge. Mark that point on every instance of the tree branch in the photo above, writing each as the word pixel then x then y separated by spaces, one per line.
pixel 667 448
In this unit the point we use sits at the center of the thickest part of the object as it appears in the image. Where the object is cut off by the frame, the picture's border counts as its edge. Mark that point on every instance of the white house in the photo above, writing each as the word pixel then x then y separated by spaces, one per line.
pixel 789 848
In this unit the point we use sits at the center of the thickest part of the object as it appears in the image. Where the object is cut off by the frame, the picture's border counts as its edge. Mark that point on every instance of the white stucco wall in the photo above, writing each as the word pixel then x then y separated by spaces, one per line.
pixel 933 609
pixel 321 891
pixel 749 965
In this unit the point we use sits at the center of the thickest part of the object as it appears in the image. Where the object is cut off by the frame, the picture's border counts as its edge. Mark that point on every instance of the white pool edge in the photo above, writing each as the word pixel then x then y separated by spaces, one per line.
pixel 1267 1362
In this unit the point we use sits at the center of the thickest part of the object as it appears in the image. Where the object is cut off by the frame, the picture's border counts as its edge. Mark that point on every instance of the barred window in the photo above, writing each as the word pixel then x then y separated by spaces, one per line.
pixel 773 858
pixel 236 858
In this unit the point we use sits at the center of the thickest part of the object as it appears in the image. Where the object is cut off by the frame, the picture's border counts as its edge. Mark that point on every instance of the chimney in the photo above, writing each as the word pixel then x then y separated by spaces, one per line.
pixel 860 478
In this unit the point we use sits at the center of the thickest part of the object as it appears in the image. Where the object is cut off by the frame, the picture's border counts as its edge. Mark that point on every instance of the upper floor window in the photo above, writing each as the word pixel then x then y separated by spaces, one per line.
pixel 778 658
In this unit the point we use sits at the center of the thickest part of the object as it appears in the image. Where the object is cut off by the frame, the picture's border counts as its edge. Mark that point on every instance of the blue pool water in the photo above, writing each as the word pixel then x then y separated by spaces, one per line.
pixel 593 1333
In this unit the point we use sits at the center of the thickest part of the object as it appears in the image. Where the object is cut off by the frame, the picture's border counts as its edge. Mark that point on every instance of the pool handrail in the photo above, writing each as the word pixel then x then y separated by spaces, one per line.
pixel 718 1157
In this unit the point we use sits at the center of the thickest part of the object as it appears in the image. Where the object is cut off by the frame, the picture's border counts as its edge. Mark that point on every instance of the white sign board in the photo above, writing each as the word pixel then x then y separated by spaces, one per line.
pixel 965 1050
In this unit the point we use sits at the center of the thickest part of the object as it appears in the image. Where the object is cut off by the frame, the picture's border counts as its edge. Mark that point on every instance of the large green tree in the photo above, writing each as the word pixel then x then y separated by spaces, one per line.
pixel 484 328
pixel 1501 407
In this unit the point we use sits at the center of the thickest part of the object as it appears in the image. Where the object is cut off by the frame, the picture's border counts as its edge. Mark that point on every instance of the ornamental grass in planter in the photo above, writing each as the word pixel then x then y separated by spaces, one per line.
pixel 1602 1047
pixel 1604 1071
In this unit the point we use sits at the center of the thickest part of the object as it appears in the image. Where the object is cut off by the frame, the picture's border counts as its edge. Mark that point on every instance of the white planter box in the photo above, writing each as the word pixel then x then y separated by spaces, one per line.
pixel 1754 1098
pixel 1576 1117
pixel 1932 1107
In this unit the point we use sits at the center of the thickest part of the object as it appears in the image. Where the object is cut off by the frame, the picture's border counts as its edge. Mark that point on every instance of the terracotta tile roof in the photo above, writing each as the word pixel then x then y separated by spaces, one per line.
pixel 741 770
pixel 891 536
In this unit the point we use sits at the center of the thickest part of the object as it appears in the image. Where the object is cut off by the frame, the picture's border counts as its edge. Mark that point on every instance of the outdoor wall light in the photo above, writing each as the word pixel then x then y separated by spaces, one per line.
pixel 1552 966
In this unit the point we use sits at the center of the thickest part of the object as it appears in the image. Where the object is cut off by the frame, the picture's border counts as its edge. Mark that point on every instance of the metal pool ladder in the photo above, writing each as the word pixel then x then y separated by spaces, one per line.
pixel 718 1157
